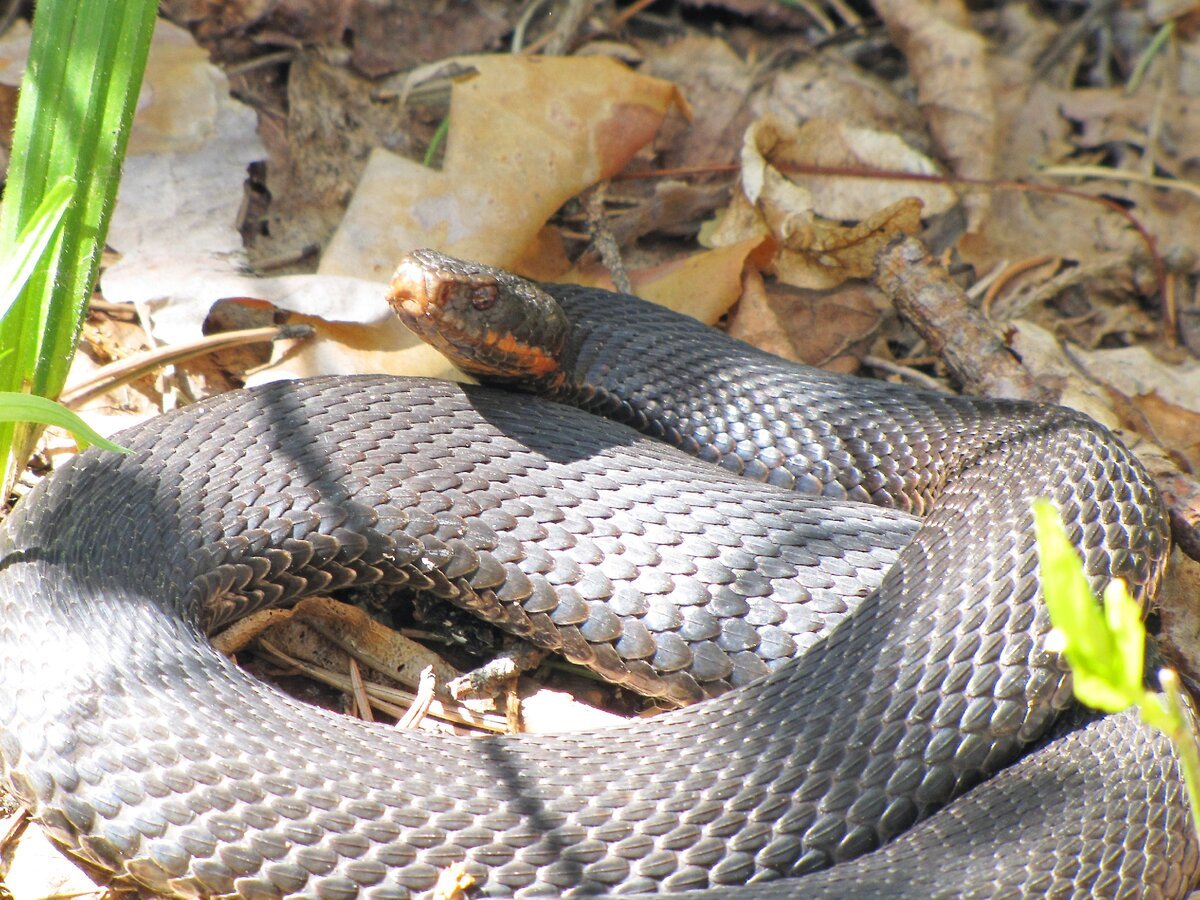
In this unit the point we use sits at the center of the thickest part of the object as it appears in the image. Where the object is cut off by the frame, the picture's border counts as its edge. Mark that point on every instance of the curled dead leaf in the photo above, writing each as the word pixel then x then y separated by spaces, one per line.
pixel 814 249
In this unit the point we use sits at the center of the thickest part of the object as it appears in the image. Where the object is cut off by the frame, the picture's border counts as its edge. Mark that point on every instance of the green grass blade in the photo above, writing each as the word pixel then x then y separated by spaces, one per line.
pixel 31 408
pixel 16 269
pixel 86 63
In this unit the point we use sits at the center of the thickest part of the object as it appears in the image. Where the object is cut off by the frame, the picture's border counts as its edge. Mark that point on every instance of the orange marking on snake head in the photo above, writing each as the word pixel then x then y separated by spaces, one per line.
pixel 531 359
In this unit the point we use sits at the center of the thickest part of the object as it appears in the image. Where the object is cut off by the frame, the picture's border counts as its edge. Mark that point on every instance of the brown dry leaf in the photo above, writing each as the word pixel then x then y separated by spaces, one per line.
pixel 1171 215
pixel 1044 125
pixel 1179 612
pixel 1168 126
pixel 830 87
pixel 1158 399
pixel 371 642
pixel 814 253
pixel 316 156
pixel 1030 128
pixel 39 869
pixel 1152 404
pixel 1030 125
pixel 1170 425
pixel 671 208
pixel 551 127
pixel 431 31
pixel 833 253
pixel 717 83
pixel 832 330
pixel 757 321
pixel 947 60
pixel 240 26
pixel 703 285
pixel 1022 225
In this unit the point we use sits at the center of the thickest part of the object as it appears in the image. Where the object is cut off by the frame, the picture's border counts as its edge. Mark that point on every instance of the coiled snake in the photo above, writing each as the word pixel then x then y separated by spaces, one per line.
pixel 920 662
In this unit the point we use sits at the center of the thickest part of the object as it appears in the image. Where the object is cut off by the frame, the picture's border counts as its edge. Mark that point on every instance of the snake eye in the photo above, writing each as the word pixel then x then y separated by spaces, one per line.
pixel 484 297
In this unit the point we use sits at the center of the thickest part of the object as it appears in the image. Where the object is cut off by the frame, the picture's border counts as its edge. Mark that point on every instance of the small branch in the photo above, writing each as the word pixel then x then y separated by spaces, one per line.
pixel 936 306
pixel 126 370
pixel 421 703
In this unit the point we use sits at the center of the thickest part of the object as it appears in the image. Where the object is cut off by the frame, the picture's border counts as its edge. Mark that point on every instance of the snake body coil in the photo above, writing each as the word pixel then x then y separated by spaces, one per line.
pixel 924 668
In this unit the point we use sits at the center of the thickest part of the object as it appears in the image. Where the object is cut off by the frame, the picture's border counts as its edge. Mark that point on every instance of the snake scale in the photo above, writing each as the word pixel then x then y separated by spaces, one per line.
pixel 865 666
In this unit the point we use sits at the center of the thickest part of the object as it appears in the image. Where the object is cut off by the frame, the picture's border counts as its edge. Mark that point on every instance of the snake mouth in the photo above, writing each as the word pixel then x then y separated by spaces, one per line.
pixel 412 290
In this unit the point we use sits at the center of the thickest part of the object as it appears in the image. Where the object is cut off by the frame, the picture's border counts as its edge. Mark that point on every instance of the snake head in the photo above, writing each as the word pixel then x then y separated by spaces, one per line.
pixel 485 320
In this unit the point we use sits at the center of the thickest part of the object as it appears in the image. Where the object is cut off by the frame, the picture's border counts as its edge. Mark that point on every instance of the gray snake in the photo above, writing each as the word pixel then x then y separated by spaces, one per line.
pixel 880 665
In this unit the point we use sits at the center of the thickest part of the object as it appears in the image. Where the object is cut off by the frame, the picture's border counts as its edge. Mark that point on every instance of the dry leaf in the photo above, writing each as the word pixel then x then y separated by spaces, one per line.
pixel 947 60
pixel 335 117
pixel 717 83
pixel 176 215
pixel 757 320
pixel 39 869
pixel 1170 425
pixel 431 31
pixel 1125 388
pixel 831 143
pixel 526 134
pixel 827 86
pixel 812 252
pixel 1159 400
pixel 371 642
pixel 825 255
pixel 703 285
pixel 1179 612
pixel 1167 127
pixel 830 329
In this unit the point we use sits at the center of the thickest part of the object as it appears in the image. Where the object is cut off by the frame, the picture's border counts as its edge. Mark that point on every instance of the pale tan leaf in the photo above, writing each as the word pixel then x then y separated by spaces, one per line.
pixel 703 285
pixel 947 60
pixel 526 134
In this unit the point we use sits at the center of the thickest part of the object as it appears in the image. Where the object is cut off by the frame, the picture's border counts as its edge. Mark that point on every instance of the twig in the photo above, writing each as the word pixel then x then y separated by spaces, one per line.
pixel 628 13
pixel 1106 174
pixel 1001 281
pixel 1164 34
pixel 907 372
pixel 603 240
pixel 359 692
pixel 1072 35
pixel 502 670
pixel 933 303
pixel 126 370
pixel 421 702
pixel 386 699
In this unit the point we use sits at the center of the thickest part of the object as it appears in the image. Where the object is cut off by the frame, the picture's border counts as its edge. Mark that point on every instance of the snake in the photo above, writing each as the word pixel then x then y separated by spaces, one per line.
pixel 843 571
